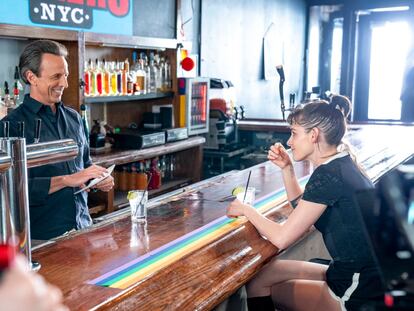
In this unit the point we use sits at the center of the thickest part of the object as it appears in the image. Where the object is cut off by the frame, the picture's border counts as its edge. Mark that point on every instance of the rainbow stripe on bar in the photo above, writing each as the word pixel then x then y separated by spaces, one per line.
pixel 137 269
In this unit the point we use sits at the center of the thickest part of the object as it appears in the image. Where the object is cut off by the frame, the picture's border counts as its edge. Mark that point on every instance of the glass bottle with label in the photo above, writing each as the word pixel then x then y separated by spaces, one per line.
pixel 114 79
pixel 141 178
pixel 155 182
pixel 140 77
pixel 106 77
pixel 85 121
pixel 86 79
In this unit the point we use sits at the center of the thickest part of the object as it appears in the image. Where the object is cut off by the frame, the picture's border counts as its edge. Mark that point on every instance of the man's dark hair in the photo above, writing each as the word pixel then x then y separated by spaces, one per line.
pixel 31 57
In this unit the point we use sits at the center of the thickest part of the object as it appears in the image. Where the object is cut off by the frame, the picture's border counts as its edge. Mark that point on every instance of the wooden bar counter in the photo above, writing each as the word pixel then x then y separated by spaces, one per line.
pixel 206 275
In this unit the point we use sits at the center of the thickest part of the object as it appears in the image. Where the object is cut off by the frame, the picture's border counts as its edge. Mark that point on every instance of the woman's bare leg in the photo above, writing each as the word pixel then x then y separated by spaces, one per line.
pixel 279 271
pixel 304 295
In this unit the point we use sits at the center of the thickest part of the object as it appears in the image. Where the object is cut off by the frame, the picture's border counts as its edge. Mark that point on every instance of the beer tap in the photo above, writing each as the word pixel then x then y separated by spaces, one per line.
pixel 6 129
pixel 281 73
pixel 236 113
pixel 292 97
pixel 242 111
pixel 37 131
pixel 21 129
pixel 15 158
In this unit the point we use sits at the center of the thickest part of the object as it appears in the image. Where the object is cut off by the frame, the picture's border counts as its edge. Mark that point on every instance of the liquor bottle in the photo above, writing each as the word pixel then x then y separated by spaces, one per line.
pixel 141 178
pixel 133 71
pixel 114 79
pixel 85 122
pixel 119 77
pixel 8 102
pixel 163 167
pixel 93 88
pixel 153 74
pixel 148 172
pixel 158 74
pixel 86 79
pixel 106 78
pixel 17 86
pixel 123 179
pixel 156 174
pixel 99 80
pixel 16 93
pixel 140 77
pixel 128 77
pixel 168 82
pixel 132 172
pixel 125 72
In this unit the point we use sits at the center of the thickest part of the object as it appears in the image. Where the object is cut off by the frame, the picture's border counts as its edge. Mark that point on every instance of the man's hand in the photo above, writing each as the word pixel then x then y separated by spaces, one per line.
pixel 105 185
pixel 80 178
pixel 21 289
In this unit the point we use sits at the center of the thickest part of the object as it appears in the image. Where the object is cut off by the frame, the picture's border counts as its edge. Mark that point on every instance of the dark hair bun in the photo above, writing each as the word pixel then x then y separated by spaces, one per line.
pixel 341 103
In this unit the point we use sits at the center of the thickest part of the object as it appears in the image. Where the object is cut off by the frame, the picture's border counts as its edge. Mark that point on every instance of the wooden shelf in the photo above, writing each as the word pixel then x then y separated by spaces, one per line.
pixel 115 99
pixel 116 156
pixel 120 197
pixel 33 32
pixel 134 42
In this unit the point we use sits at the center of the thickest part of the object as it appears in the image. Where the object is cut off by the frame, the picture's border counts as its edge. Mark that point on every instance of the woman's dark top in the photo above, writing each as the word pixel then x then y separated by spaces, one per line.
pixel 353 270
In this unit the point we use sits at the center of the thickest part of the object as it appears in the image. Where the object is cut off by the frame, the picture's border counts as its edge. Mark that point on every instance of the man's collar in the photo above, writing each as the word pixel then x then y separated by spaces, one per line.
pixel 35 105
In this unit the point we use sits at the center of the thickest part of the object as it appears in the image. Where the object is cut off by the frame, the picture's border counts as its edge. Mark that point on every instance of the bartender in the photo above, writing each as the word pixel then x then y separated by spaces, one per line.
pixel 54 206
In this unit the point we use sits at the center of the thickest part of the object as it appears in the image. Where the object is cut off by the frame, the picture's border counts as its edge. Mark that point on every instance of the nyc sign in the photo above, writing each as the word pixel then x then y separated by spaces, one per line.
pixel 102 16
pixel 74 13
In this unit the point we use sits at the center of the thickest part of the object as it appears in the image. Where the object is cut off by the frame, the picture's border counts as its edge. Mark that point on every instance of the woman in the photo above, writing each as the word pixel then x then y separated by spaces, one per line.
pixel 351 280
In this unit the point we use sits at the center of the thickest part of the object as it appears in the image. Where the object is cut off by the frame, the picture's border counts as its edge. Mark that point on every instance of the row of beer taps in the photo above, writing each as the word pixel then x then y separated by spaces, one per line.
pixel 15 159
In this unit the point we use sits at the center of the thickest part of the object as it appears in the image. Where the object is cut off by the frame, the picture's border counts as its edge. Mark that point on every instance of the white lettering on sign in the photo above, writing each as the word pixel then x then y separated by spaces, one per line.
pixel 49 13
pixel 75 19
pixel 49 10
pixel 64 10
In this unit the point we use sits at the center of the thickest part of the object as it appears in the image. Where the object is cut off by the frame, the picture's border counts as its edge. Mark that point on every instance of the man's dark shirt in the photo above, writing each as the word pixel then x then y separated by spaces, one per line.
pixel 53 214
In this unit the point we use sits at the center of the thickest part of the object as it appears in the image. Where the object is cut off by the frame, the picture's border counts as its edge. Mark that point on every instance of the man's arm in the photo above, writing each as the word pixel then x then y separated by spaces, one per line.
pixel 78 179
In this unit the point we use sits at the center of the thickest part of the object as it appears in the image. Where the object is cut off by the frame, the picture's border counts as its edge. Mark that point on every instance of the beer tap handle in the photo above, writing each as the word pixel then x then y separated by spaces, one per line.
pixel 21 129
pixel 242 112
pixel 236 113
pixel 37 130
pixel 6 129
pixel 292 101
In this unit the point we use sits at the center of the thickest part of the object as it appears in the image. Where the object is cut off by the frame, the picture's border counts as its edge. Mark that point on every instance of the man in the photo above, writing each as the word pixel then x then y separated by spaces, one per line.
pixel 54 206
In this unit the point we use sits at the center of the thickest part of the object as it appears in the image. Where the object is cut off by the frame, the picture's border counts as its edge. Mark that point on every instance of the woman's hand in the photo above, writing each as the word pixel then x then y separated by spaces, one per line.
pixel 21 289
pixel 278 155
pixel 236 208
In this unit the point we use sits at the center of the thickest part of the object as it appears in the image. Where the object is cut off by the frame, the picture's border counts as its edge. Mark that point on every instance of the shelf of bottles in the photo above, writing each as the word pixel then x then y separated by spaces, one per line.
pixel 150 173
pixel 148 77
pixel 8 100
pixel 159 175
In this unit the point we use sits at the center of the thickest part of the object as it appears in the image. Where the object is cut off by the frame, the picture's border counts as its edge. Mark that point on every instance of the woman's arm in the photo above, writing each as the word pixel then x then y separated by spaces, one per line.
pixel 279 156
pixel 293 190
pixel 280 235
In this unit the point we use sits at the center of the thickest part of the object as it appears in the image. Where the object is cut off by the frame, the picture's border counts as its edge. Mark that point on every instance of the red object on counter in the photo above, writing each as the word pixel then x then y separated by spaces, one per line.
pixel 7 254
